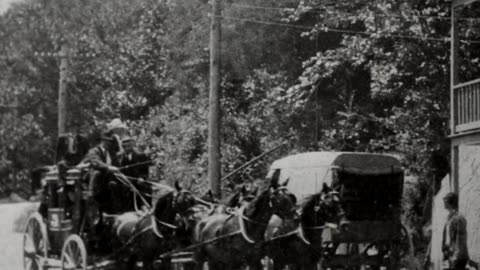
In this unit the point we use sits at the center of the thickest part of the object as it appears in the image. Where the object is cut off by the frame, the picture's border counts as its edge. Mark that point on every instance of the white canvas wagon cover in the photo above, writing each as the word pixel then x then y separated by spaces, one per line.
pixel 308 171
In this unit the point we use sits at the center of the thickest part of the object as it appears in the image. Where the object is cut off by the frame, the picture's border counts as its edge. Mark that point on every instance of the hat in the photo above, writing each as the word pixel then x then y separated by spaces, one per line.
pixel 450 195
pixel 451 198
pixel 117 126
pixel 107 136
pixel 127 139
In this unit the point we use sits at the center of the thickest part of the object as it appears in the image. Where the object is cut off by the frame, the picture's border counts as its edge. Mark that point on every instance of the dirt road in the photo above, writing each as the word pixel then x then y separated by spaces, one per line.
pixel 11 241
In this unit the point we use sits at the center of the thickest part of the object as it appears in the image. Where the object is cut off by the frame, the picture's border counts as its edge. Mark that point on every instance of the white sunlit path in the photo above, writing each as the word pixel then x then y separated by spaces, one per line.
pixel 11 242
pixel 5 4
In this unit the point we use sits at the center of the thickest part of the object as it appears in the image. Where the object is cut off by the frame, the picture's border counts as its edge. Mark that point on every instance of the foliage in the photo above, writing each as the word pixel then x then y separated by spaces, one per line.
pixel 348 76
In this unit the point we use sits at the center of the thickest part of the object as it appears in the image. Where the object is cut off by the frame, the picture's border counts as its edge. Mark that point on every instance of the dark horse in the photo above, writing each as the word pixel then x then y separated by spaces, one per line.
pixel 298 242
pixel 147 236
pixel 245 194
pixel 229 241
pixel 208 205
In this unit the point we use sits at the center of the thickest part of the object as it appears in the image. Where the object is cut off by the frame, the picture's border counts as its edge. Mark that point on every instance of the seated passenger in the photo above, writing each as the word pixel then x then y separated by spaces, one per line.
pixel 135 164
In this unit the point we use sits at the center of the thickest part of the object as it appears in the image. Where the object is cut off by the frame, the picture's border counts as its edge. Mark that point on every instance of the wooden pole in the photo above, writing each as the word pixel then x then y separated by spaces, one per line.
pixel 62 91
pixel 15 126
pixel 214 102
pixel 454 63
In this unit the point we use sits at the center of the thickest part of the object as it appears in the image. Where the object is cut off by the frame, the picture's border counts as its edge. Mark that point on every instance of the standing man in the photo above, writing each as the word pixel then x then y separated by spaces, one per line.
pixel 454 244
pixel 135 164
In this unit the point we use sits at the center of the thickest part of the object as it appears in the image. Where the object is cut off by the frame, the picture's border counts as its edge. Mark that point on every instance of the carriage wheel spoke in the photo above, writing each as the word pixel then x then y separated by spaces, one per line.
pixel 68 263
pixel 29 248
pixel 35 264
pixel 74 254
pixel 28 264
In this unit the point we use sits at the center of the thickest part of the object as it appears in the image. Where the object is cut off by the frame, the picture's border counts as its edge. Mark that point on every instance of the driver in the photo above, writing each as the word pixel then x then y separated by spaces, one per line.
pixel 103 161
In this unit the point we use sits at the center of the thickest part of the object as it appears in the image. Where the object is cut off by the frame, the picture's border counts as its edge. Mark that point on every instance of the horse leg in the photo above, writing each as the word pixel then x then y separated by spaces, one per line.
pixel 306 266
pixel 256 264
pixel 218 266
pixel 199 259
pixel 148 264
pixel 131 262
pixel 166 264
pixel 277 265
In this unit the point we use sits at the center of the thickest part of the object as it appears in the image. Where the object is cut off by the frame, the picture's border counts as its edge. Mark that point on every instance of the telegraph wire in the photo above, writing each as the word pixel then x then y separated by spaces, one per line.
pixel 326 29
pixel 283 9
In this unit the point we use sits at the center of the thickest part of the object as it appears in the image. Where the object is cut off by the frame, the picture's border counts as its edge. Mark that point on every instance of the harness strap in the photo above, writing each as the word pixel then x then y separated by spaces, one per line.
pixel 283 235
pixel 155 227
pixel 301 234
pixel 243 230
pixel 168 225
pixel 195 246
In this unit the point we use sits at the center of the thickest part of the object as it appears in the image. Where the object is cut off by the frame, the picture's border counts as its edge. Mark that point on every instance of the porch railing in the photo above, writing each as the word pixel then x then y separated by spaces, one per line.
pixel 466 102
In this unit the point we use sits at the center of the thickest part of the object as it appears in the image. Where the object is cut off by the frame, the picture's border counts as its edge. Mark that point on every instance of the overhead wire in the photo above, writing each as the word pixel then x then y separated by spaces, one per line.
pixel 343 31
pixel 446 18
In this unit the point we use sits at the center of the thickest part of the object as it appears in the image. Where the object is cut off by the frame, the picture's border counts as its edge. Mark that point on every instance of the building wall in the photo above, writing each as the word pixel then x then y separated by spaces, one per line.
pixel 469 193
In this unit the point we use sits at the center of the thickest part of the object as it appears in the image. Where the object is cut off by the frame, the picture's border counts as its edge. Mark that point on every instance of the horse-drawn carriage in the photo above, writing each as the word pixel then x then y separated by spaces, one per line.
pixel 56 239
pixel 330 188
pixel 75 234
pixel 370 188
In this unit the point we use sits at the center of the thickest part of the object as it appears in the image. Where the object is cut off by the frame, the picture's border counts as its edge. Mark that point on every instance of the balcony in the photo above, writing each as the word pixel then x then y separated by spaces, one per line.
pixel 466 106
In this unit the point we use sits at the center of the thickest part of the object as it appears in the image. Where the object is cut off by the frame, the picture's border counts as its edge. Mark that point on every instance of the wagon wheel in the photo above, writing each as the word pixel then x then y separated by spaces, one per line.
pixel 74 254
pixel 35 243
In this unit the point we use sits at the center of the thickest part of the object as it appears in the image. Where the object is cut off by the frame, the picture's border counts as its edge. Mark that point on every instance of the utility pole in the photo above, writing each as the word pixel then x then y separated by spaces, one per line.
pixel 62 90
pixel 454 64
pixel 65 55
pixel 214 102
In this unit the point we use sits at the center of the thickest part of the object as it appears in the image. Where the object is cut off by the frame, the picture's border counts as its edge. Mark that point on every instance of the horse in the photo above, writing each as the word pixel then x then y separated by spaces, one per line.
pixel 298 242
pixel 230 241
pixel 151 234
pixel 245 194
pixel 209 205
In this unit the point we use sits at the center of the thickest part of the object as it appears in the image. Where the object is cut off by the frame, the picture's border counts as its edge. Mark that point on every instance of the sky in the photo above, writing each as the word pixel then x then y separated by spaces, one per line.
pixel 4 4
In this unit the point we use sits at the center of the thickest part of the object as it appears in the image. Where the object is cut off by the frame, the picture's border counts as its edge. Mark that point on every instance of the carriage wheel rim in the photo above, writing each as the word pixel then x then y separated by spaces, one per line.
pixel 74 254
pixel 34 244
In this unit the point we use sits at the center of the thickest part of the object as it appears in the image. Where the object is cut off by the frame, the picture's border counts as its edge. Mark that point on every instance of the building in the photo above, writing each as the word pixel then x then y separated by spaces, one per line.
pixel 465 132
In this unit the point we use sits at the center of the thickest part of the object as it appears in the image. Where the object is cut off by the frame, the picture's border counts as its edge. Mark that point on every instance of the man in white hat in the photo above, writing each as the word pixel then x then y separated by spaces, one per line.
pixel 117 127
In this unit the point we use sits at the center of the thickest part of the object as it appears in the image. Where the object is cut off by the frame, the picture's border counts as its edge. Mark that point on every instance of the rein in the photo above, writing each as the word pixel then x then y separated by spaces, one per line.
pixel 243 230
pixel 301 234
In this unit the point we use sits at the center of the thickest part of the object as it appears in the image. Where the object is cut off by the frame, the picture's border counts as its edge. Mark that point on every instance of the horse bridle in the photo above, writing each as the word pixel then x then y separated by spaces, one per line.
pixel 183 191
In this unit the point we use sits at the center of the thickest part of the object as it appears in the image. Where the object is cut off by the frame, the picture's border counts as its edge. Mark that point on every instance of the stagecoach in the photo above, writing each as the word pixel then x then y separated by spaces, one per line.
pixel 61 236
pixel 370 188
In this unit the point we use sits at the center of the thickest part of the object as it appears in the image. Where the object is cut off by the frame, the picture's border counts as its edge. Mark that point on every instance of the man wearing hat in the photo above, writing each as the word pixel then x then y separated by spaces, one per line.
pixel 117 127
pixel 135 164
pixel 104 162
pixel 454 243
